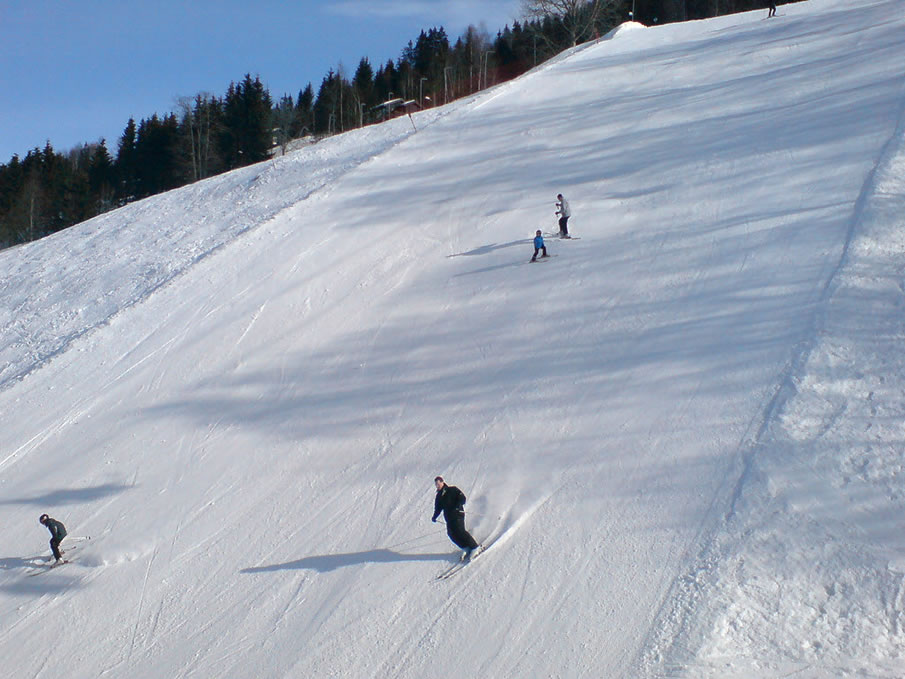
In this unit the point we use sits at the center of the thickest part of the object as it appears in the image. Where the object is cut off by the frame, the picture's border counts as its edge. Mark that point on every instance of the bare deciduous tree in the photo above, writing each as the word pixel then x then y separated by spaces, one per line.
pixel 196 119
pixel 578 17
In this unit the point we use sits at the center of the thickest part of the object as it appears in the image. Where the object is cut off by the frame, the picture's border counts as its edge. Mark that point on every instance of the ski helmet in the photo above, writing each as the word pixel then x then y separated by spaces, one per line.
pixel 43 518
pixel 538 232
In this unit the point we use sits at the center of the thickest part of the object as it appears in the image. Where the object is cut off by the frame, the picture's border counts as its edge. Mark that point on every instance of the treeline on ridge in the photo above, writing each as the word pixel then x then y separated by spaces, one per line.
pixel 207 134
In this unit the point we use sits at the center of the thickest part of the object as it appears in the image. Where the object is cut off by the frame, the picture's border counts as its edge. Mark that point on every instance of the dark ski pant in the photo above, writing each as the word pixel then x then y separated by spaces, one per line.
pixel 55 548
pixel 563 226
pixel 455 529
pixel 536 250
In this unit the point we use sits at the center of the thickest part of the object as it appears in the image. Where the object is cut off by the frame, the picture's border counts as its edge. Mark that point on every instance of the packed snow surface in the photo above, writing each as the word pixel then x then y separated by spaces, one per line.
pixel 682 437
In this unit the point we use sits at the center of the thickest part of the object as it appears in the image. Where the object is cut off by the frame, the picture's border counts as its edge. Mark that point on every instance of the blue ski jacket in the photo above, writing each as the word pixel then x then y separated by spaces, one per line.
pixel 538 242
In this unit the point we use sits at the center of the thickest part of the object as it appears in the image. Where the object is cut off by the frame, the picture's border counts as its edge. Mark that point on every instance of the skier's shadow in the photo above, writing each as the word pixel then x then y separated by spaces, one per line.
pixel 331 562
pixel 487 249
pixel 15 562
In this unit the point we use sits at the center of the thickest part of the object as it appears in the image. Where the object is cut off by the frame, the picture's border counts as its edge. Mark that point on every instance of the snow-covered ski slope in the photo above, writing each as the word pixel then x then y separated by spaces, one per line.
pixel 683 435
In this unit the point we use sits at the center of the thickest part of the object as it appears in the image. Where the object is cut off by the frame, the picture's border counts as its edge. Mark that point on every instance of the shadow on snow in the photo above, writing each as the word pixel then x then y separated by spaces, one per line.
pixel 331 562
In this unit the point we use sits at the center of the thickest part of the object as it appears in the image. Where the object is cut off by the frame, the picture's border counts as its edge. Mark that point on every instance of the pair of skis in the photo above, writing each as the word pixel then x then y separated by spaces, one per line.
pixel 49 567
pixel 40 569
pixel 460 565
pixel 552 235
pixel 561 237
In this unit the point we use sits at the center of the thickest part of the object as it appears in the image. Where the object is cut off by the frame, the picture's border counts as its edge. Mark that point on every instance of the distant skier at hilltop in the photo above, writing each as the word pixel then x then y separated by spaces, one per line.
pixel 451 501
pixel 564 212
pixel 772 5
pixel 57 533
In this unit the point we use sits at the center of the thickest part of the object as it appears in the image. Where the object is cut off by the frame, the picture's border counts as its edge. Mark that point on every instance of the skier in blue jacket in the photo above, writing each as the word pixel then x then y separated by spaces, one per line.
pixel 539 245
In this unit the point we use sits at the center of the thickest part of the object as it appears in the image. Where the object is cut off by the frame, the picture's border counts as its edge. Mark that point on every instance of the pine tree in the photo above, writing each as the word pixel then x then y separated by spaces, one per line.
pixel 247 131
pixel 101 178
pixel 157 155
pixel 326 105
pixel 283 118
pixel 363 85
pixel 12 177
pixel 304 107
pixel 126 165
pixel 386 83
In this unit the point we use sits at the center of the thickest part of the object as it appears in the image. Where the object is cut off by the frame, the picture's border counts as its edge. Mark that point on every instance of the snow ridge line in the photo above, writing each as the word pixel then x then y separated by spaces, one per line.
pixel 487 96
pixel 41 359
pixel 795 369
pixel 668 641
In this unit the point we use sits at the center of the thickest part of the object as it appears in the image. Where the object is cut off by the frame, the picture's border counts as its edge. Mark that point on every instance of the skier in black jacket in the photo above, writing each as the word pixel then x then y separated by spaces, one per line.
pixel 57 533
pixel 451 501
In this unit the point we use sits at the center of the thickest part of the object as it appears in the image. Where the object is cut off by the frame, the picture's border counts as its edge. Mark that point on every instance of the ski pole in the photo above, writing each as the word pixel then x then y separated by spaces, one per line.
pixel 408 542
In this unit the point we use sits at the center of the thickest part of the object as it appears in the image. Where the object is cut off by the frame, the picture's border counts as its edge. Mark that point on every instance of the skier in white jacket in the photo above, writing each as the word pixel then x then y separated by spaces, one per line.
pixel 564 212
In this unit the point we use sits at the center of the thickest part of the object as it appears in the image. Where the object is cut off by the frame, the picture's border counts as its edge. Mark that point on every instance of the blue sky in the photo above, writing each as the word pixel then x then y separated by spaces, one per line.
pixel 73 71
